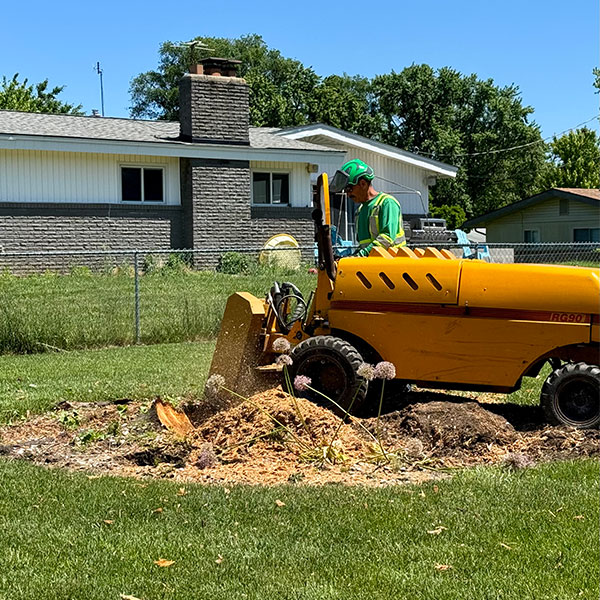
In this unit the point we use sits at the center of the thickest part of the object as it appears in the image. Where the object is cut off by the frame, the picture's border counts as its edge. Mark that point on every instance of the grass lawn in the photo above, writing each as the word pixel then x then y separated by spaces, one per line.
pixel 485 534
pixel 84 310
pixel 36 382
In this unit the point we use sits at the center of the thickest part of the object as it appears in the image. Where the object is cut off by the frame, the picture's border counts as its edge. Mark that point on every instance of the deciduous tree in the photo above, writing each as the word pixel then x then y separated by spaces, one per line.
pixel 467 122
pixel 574 160
pixel 281 89
pixel 21 96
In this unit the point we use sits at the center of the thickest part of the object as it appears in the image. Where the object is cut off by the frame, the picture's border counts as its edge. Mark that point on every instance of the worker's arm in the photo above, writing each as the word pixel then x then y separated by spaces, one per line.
pixel 390 216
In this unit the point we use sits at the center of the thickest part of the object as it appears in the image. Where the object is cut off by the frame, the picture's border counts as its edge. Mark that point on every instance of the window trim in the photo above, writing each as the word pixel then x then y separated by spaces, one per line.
pixel 585 228
pixel 156 167
pixel 533 230
pixel 287 172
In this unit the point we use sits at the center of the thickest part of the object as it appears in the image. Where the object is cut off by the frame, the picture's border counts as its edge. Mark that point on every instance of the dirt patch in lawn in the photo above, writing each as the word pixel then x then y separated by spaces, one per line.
pixel 274 438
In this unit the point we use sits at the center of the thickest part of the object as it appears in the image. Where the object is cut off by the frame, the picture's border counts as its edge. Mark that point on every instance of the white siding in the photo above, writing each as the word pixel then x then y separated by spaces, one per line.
pixel 42 176
pixel 300 185
pixel 414 200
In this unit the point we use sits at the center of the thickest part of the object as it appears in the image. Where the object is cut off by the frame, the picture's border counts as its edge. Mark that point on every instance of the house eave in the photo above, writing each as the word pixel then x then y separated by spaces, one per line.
pixel 177 149
pixel 440 169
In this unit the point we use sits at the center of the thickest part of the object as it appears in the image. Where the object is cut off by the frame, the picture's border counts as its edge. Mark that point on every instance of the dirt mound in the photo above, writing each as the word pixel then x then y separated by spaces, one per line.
pixel 274 438
pixel 448 425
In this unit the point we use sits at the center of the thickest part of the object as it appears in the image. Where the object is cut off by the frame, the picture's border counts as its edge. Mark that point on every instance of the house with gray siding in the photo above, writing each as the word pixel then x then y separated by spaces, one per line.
pixel 207 181
pixel 556 215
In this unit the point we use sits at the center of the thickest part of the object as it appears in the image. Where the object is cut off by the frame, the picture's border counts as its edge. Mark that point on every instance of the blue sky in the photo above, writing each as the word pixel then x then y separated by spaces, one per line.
pixel 546 47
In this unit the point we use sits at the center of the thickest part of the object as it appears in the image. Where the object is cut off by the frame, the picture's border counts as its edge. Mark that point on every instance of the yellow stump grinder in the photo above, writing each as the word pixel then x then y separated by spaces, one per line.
pixel 442 321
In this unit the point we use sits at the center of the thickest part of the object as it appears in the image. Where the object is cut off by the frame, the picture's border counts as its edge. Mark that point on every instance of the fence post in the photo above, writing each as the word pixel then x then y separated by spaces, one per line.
pixel 136 276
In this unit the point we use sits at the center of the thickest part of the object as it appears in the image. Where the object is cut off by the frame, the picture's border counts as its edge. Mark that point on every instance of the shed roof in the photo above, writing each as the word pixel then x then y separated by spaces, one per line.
pixel 587 196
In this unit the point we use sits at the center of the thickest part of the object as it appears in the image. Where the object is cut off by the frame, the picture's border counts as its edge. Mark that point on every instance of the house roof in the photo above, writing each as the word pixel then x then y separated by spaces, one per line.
pixel 333 136
pixel 14 123
pixel 587 196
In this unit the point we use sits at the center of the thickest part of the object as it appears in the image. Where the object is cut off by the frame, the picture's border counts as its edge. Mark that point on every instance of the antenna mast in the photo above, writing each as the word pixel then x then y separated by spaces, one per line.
pixel 99 71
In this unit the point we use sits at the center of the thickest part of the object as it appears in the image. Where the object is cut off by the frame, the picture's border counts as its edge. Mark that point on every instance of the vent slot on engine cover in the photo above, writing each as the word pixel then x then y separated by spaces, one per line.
pixel 387 280
pixel 413 284
pixel 364 280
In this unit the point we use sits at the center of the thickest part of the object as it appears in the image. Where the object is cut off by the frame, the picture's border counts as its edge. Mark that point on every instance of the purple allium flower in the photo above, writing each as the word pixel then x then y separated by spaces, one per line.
pixel 284 359
pixel 207 458
pixel 301 382
pixel 281 345
pixel 214 384
pixel 385 370
pixel 366 371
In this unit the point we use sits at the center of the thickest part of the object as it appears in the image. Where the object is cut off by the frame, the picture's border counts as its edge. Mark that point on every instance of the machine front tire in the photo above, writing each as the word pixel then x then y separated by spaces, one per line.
pixel 571 396
pixel 332 364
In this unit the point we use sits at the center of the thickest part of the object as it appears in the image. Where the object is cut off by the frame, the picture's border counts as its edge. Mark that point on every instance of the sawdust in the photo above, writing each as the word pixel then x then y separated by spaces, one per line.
pixel 273 438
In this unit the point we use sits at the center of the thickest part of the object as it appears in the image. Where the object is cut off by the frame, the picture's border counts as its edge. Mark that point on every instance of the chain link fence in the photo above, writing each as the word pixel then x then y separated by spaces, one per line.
pixel 67 300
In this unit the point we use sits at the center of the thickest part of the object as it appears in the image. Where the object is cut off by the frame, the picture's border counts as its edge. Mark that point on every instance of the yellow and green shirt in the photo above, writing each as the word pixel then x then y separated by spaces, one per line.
pixel 379 223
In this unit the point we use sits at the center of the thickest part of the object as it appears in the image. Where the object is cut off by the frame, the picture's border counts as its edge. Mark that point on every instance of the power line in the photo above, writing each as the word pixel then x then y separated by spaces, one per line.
pixel 512 147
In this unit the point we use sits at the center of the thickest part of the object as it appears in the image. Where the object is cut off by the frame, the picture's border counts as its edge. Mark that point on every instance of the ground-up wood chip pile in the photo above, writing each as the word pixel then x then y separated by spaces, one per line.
pixel 273 438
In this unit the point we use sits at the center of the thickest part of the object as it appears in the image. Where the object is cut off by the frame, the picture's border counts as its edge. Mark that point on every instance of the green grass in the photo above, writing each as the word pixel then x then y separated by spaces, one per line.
pixel 36 382
pixel 526 535
pixel 85 310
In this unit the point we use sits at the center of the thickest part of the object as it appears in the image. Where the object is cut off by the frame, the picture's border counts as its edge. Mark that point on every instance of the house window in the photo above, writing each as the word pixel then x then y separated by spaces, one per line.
pixel 563 207
pixel 142 184
pixel 586 234
pixel 270 188
pixel 531 236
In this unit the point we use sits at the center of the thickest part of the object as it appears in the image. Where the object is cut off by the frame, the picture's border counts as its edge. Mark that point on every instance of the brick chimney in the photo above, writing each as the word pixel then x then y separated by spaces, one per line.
pixel 213 103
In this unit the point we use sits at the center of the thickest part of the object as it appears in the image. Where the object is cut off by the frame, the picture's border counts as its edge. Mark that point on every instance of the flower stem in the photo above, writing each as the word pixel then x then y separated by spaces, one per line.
pixel 377 431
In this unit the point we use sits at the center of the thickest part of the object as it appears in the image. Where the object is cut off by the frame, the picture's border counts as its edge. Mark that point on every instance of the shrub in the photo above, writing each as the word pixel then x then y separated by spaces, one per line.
pixel 176 262
pixel 234 263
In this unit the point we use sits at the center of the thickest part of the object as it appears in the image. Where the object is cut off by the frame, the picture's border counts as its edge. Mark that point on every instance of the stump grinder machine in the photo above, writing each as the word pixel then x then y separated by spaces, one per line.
pixel 444 322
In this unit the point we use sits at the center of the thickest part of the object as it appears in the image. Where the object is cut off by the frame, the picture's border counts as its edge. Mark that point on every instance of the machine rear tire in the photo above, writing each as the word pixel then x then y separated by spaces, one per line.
pixel 332 365
pixel 571 396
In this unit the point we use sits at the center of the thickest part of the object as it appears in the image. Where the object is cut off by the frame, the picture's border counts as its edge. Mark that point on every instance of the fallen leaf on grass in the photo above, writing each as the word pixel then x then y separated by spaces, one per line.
pixel 443 567
pixel 108 521
pixel 505 546
pixel 128 597
pixel 579 517
pixel 438 530
pixel 279 503
pixel 158 510
pixel 219 560
pixel 181 492
pixel 163 562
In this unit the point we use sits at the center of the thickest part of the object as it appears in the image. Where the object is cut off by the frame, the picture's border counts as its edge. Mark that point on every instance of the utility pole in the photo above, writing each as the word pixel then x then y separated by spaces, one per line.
pixel 99 71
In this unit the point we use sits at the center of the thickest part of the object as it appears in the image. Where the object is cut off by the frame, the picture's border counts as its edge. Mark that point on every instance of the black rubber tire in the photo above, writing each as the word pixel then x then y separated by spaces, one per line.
pixel 332 365
pixel 571 396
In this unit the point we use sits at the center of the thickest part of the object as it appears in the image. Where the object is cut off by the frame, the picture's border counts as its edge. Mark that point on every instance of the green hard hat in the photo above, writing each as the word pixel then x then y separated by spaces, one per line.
pixel 350 173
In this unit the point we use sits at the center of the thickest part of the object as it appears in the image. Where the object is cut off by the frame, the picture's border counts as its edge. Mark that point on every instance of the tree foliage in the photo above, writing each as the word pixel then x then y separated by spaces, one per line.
pixel 461 120
pixel 283 92
pixel 574 160
pixel 454 215
pixel 20 96
pixel 281 89
pixel 466 122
